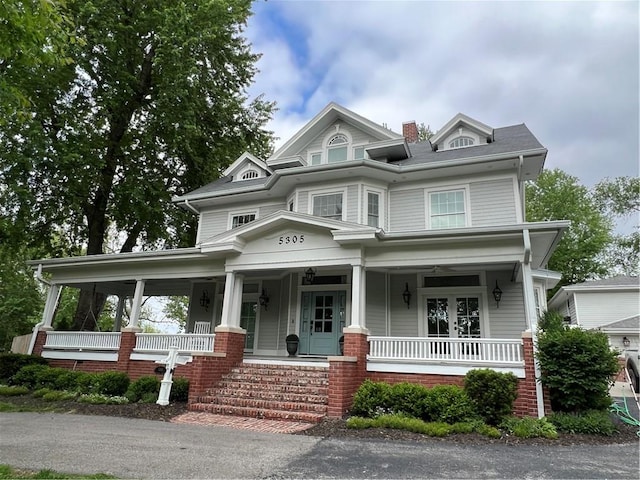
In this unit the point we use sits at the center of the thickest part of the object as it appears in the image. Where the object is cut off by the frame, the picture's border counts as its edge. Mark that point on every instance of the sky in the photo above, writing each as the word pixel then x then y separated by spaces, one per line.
pixel 568 70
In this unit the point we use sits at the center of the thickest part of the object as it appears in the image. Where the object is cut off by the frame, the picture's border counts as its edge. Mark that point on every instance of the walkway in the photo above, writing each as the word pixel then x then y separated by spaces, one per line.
pixel 244 423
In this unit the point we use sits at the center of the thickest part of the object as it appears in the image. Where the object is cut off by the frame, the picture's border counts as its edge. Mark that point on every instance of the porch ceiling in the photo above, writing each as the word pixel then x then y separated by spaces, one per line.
pixel 154 287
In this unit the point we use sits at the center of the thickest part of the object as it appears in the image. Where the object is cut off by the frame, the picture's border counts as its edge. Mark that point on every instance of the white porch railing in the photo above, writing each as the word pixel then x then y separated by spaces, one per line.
pixel 447 350
pixel 186 342
pixel 83 340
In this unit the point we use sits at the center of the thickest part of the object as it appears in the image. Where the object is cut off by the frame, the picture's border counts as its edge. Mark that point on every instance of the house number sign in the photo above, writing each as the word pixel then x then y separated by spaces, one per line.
pixel 291 239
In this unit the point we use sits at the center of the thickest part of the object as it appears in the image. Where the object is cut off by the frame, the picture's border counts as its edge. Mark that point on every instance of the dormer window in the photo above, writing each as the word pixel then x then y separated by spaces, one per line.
pixel 337 148
pixel 248 175
pixel 461 142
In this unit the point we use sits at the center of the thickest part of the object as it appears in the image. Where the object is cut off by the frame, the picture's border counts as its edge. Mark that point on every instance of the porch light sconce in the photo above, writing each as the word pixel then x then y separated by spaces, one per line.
pixel 309 275
pixel 406 295
pixel 205 300
pixel 264 299
pixel 497 295
pixel 626 342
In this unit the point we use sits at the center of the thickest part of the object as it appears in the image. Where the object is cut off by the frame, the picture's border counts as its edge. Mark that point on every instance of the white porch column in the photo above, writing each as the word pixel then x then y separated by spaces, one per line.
pixel 137 305
pixel 358 301
pixel 231 303
pixel 53 296
pixel 117 326
pixel 530 314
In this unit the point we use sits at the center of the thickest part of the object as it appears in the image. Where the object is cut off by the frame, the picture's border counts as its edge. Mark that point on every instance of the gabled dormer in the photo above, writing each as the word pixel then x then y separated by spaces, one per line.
pixel 246 167
pixel 337 135
pixel 461 132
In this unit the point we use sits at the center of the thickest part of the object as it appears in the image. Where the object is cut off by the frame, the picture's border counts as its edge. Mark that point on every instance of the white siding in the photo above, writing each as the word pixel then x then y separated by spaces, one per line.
pixel 357 138
pixel 406 210
pixel 404 321
pixel 376 313
pixel 492 202
pixel 212 223
pixel 595 309
pixel 269 209
pixel 507 320
pixel 351 205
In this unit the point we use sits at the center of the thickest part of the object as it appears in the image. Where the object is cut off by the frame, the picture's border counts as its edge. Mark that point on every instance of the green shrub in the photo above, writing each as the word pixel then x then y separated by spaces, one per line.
pixel 488 431
pixel 551 321
pixel 578 368
pixel 111 383
pixel 100 399
pixel 406 398
pixel 492 393
pixel 179 390
pixel 11 363
pixel 57 396
pixel 447 403
pixel 29 376
pixel 371 399
pixel 66 379
pixel 144 390
pixel 12 391
pixel 594 422
pixel 529 427
pixel 41 392
pixel 464 427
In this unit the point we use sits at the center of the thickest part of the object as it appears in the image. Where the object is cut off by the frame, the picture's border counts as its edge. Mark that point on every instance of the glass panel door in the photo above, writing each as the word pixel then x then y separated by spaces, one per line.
pixel 438 317
pixel 248 322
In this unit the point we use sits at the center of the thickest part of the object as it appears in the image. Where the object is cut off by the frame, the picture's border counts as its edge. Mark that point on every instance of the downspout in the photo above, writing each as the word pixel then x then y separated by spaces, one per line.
pixel 533 325
pixel 191 207
pixel 37 326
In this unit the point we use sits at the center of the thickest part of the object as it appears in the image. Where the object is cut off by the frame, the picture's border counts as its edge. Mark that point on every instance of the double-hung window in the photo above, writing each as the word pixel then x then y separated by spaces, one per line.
pixel 328 206
pixel 373 209
pixel 337 148
pixel 447 209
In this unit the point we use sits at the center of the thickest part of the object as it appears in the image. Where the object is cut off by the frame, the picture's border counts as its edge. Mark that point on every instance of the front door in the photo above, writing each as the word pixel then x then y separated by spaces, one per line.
pixel 248 322
pixel 452 317
pixel 322 319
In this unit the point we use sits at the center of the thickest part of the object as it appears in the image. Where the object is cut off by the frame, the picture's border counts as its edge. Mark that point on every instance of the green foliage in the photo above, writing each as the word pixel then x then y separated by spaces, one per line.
pixel 11 391
pixel 179 390
pixel 176 309
pixel 578 366
pixel 551 321
pixel 111 383
pixel 433 429
pixel 145 390
pixel 492 393
pixel 371 399
pixel 11 363
pixel 488 431
pixel 593 422
pixel 406 398
pixel 58 396
pixel 29 376
pixel 529 427
pixel 7 472
pixel 100 399
pixel 447 403
pixel 558 196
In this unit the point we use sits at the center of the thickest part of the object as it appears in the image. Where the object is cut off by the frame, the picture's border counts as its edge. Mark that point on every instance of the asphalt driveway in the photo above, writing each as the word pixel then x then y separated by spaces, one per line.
pixel 140 449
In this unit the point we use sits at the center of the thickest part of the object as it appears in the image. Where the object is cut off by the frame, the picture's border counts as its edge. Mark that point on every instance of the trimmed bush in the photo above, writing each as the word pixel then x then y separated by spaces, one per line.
pixel 57 396
pixel 179 390
pixel 492 393
pixel 11 363
pixel 594 422
pixel 371 399
pixel 6 391
pixel 144 390
pixel 529 427
pixel 111 383
pixel 29 376
pixel 407 399
pixel 578 366
pixel 447 403
pixel 551 321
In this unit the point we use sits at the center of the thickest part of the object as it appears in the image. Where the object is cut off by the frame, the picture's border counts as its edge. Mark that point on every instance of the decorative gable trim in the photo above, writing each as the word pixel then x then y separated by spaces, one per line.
pixel 245 164
pixel 461 120
pixel 330 114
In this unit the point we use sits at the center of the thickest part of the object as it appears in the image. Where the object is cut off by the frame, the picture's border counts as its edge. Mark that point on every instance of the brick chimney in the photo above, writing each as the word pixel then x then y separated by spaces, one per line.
pixel 410 131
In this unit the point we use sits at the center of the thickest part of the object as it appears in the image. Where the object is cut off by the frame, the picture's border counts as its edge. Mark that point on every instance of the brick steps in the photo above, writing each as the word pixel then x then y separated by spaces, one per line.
pixel 276 392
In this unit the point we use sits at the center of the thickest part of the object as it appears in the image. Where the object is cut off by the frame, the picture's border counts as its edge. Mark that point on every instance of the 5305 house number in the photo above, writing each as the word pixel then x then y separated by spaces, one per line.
pixel 291 239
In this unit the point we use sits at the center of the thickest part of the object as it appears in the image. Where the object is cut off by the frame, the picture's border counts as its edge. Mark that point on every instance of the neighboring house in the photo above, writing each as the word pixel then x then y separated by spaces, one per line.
pixel 611 305
pixel 390 259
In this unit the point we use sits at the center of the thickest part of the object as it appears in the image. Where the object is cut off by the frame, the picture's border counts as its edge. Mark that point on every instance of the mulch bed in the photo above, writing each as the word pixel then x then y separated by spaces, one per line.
pixel 330 427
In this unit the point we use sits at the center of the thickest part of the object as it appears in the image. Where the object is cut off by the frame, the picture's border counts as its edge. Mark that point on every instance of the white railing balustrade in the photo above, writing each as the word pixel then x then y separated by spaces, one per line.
pixel 453 350
pixel 83 340
pixel 186 342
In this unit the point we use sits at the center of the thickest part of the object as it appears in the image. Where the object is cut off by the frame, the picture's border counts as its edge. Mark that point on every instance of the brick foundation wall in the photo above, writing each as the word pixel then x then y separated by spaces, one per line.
pixel 38 346
pixel 347 373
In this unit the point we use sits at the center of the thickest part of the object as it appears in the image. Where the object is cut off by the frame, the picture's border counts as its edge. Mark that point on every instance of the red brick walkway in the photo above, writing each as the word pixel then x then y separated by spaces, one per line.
pixel 245 423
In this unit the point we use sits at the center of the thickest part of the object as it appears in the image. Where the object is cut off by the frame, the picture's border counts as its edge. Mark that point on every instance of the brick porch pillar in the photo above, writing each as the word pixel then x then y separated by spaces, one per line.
pixel 127 344
pixel 41 338
pixel 527 402
pixel 346 373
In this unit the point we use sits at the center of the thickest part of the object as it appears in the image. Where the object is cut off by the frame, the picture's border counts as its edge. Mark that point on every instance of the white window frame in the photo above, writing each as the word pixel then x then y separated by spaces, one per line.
pixel 448 189
pixel 329 191
pixel 311 155
pixel 251 171
pixel 461 137
pixel 381 206
pixel 240 213
pixel 451 292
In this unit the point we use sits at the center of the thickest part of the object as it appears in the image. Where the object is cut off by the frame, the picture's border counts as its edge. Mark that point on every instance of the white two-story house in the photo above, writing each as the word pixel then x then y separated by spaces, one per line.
pixel 402 257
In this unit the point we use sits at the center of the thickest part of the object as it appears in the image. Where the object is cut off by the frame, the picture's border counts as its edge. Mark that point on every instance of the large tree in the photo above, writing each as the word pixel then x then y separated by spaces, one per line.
pixel 154 104
pixel 620 197
pixel 555 195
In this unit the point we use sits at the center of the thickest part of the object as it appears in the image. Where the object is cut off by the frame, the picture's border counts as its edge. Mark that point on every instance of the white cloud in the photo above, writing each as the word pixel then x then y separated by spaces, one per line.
pixel 568 70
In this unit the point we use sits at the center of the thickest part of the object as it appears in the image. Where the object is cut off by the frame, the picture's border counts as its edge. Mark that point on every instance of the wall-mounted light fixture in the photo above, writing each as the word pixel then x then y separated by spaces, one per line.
pixel 406 295
pixel 497 295
pixel 264 299
pixel 205 300
pixel 309 275
pixel 626 342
